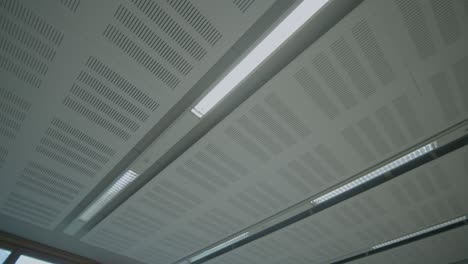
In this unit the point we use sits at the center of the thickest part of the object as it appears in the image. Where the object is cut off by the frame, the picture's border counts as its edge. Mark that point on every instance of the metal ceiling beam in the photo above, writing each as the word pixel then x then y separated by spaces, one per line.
pixel 418 162
pixel 402 243
pixel 269 18
pixel 307 35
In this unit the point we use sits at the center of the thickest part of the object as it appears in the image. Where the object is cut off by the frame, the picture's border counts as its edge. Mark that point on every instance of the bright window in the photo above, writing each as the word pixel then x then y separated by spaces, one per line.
pixel 4 254
pixel 30 260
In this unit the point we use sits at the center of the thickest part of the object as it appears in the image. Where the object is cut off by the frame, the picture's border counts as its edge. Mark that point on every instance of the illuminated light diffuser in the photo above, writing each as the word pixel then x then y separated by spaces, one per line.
pixel 4 254
pixel 298 17
pixel 376 173
pixel 123 181
pixel 219 247
pixel 421 232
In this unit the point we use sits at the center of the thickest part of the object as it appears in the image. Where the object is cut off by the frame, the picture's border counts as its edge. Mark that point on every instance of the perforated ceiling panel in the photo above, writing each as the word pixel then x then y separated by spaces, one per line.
pixel 351 100
pixel 431 194
pixel 83 81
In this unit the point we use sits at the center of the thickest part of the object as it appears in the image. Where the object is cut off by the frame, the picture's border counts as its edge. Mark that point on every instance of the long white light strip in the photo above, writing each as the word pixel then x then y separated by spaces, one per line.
pixel 219 247
pixel 376 173
pixel 421 232
pixel 303 12
pixel 123 181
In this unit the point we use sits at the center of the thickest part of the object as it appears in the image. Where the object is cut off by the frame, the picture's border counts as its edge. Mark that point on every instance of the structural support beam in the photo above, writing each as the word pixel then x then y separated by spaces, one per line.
pixel 396 172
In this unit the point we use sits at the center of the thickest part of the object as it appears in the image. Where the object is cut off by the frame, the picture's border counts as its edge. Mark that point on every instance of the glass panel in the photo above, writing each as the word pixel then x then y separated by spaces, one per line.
pixel 30 260
pixel 4 254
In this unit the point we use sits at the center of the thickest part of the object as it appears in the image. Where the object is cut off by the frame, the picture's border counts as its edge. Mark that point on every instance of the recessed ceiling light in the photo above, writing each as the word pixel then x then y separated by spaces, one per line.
pixel 376 173
pixel 219 247
pixel 123 181
pixel 420 232
pixel 298 17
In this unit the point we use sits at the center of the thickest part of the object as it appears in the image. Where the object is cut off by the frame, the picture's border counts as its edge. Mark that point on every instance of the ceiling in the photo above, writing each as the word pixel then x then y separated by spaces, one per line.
pixel 91 87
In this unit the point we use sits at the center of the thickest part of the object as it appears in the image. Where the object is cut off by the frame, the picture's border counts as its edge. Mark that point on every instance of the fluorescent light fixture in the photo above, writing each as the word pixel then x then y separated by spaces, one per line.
pixel 303 12
pixel 123 181
pixel 421 232
pixel 219 247
pixel 376 173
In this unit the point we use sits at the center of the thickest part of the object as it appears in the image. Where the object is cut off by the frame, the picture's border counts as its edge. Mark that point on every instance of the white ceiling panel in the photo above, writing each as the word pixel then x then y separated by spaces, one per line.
pixel 428 195
pixel 432 37
pixel 351 100
pixel 84 81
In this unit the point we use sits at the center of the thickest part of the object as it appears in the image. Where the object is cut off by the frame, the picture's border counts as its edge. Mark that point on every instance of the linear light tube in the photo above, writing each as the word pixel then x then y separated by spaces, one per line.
pixel 258 54
pixel 123 181
pixel 376 173
pixel 219 247
pixel 421 232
